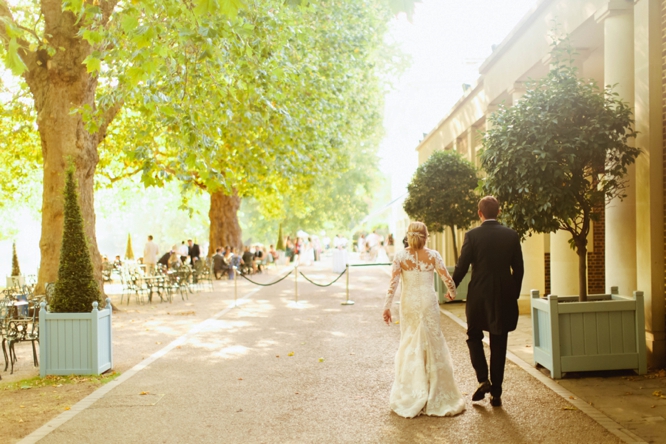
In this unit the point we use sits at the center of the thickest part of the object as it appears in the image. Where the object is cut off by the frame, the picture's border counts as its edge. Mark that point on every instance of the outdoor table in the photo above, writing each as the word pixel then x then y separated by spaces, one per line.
pixel 154 283
pixel 339 260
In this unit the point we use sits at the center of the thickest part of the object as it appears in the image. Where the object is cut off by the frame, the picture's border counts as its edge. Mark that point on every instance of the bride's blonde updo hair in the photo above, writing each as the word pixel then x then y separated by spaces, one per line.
pixel 417 234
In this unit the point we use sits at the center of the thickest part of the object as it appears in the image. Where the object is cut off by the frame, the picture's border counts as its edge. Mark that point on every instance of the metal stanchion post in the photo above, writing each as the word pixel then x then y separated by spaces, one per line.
pixel 347 301
pixel 296 283
pixel 235 287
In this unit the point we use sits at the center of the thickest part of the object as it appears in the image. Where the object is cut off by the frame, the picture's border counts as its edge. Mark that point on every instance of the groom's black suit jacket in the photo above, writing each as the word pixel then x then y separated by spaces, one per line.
pixel 494 252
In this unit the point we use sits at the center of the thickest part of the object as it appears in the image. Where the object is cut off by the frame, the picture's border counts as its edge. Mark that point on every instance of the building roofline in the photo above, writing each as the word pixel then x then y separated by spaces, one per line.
pixel 470 93
pixel 513 35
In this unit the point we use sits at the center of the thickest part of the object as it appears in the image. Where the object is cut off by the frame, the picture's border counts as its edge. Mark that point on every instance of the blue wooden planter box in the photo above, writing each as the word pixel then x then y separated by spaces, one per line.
pixel 75 343
pixel 605 333
pixel 461 291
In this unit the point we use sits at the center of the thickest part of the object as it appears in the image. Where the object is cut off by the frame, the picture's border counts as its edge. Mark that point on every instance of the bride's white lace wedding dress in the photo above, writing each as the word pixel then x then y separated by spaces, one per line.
pixel 424 381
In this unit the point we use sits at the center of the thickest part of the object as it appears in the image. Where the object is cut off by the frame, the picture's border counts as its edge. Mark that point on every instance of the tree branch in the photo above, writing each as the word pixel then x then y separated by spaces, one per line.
pixel 108 116
pixel 125 175
pixel 107 7
pixel 27 57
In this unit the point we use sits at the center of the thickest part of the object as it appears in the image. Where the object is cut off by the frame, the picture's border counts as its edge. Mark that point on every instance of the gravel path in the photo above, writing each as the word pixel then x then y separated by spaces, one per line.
pixel 235 382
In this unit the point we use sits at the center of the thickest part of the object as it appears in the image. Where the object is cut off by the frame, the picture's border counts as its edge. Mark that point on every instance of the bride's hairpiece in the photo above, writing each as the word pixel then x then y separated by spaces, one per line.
pixel 415 233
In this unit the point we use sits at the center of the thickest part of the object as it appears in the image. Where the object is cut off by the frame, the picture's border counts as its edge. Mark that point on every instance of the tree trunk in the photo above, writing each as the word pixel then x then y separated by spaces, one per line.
pixel 455 244
pixel 224 227
pixel 581 250
pixel 59 85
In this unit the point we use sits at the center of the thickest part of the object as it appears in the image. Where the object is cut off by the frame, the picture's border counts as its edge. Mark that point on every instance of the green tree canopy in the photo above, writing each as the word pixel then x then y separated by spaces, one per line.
pixel 442 194
pixel 559 154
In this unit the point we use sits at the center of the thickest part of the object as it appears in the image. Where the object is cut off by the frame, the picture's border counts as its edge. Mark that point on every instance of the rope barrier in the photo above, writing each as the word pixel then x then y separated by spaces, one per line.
pixel 272 283
pixel 370 265
pixel 323 285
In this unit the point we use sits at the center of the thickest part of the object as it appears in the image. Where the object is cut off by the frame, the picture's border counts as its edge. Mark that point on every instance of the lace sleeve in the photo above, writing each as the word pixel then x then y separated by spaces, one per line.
pixel 444 274
pixel 393 285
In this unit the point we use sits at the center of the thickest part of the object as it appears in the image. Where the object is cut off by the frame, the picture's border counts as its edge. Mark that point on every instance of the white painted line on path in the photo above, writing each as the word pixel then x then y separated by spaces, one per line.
pixel 106 388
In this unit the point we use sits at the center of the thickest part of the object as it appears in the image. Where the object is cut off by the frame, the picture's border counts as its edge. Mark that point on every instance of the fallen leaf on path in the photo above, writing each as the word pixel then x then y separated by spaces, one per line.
pixel 572 397
pixel 22 406
pixel 297 393
pixel 657 393
pixel 67 408
pixel 662 373
pixel 144 393
pixel 240 379
pixel 653 406
pixel 158 343
pixel 302 343
pixel 321 359
pixel 569 408
pixel 290 354
pixel 239 410
pixel 277 356
pixel 397 322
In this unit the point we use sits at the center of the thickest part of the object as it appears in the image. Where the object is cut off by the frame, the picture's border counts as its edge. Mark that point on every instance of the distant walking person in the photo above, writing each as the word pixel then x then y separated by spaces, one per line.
pixel 150 253
pixel 494 252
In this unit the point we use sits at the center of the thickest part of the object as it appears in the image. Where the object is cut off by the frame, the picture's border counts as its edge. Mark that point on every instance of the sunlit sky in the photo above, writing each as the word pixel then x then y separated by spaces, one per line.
pixel 447 40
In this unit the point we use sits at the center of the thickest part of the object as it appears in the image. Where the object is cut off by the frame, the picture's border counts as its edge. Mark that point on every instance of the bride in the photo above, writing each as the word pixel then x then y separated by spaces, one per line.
pixel 424 381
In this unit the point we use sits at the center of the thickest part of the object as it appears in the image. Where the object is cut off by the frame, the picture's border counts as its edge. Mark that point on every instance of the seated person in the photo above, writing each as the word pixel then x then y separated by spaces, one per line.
pixel 273 254
pixel 247 260
pixel 164 260
pixel 220 264
pixel 258 259
pixel 174 260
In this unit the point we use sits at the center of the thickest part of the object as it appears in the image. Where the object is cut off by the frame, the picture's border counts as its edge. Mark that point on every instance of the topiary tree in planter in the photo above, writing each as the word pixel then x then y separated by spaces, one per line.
pixel 76 288
pixel 129 252
pixel 16 270
pixel 559 154
pixel 280 242
pixel 442 194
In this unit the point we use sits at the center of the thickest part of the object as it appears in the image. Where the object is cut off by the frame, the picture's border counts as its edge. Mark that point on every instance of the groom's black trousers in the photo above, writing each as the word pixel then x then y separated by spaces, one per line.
pixel 497 358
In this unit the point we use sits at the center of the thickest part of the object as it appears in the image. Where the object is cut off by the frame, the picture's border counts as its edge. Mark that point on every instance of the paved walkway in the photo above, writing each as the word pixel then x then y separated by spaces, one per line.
pixel 235 380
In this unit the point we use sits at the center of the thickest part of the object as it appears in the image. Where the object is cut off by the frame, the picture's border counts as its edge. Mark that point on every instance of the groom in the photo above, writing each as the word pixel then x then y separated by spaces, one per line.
pixel 494 252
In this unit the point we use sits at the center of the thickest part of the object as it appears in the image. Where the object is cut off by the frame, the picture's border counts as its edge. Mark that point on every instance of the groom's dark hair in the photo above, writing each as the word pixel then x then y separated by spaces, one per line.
pixel 489 207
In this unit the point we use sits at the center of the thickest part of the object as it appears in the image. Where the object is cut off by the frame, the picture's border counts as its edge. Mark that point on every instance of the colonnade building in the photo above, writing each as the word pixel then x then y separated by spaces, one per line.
pixel 619 42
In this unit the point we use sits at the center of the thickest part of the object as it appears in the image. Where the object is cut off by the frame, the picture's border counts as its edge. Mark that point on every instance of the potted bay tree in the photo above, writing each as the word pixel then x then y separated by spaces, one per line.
pixel 442 194
pixel 554 160
pixel 74 335
pixel 16 280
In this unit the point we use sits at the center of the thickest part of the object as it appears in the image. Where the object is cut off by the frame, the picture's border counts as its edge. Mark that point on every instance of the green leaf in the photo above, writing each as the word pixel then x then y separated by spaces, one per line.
pixel 92 37
pixel 13 60
pixel 129 23
pixel 93 64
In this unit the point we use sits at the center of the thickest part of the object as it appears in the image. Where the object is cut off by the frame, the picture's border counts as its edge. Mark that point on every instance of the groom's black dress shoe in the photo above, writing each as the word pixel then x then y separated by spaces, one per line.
pixel 481 391
pixel 495 401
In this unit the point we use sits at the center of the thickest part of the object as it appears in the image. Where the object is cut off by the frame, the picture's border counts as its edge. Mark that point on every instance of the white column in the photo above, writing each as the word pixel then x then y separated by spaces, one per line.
pixel 517 92
pixel 649 174
pixel 563 265
pixel 489 110
pixel 470 144
pixel 618 22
